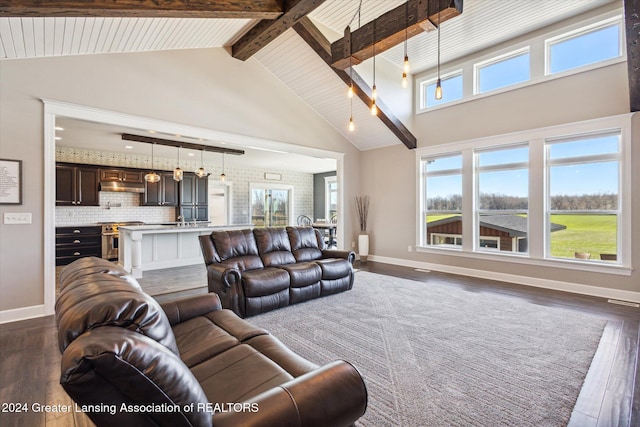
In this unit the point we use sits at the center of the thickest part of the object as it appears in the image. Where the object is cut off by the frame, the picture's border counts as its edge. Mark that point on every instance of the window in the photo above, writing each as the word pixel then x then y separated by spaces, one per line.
pixel 557 196
pixel 451 90
pixel 271 205
pixel 441 213
pixel 503 71
pixel 590 45
pixel 584 197
pixel 502 179
pixel 331 197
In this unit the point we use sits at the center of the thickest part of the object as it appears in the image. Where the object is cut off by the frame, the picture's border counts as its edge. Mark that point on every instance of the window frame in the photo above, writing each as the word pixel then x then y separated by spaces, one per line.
pixel 424 84
pixel 538 191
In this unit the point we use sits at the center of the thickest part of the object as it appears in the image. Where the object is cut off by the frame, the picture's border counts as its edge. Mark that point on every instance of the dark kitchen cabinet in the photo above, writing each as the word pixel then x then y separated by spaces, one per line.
pixel 162 193
pixel 121 175
pixel 77 242
pixel 194 203
pixel 76 185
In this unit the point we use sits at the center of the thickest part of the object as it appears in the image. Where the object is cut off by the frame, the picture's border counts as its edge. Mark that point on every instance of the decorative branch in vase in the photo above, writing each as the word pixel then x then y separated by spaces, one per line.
pixel 362 208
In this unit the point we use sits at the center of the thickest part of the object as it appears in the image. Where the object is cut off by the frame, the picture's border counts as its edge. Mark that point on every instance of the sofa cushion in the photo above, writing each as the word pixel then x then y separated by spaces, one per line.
pixel 263 282
pixel 238 374
pixel 237 249
pixel 334 268
pixel 306 245
pixel 273 246
pixel 303 273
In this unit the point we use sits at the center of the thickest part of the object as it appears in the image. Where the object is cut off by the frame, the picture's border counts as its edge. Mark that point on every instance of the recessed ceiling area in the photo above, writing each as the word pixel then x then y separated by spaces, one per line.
pixel 81 134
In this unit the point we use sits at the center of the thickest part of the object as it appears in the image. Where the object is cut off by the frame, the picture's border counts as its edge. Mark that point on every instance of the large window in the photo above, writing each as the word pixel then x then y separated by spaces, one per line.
pixel 271 205
pixel 506 70
pixel 584 197
pixel 557 195
pixel 502 198
pixel 442 210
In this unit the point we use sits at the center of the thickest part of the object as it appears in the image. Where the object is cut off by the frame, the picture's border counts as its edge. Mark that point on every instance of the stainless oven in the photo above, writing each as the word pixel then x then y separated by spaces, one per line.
pixel 110 238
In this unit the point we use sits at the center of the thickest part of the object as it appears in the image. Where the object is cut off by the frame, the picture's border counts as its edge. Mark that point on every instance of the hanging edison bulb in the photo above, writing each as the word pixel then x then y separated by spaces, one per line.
pixel 350 91
pixel 177 172
pixel 406 66
pixel 352 126
pixel 405 83
pixel 374 92
pixel 438 90
pixel 374 107
pixel 201 173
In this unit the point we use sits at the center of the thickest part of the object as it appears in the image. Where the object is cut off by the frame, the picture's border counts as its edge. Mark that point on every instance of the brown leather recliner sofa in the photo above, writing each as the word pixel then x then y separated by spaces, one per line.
pixel 129 361
pixel 257 270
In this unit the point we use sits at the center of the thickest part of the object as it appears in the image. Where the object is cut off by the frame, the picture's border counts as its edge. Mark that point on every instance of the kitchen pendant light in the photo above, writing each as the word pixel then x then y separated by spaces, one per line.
pixel 201 173
pixel 223 177
pixel 177 172
pixel 439 82
pixel 152 176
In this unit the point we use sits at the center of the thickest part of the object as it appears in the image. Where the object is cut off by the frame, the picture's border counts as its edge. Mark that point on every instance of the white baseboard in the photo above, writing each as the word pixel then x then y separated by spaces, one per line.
pixel 575 288
pixel 24 313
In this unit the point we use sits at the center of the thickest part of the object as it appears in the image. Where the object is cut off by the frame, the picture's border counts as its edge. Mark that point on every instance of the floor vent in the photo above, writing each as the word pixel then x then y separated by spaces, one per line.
pixel 421 270
pixel 627 303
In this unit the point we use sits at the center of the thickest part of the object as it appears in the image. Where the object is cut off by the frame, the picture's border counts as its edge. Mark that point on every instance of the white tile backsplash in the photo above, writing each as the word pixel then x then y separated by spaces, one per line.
pixel 116 207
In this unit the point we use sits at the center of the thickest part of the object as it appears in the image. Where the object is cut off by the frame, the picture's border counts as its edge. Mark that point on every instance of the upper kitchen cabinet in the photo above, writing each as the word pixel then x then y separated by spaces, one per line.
pixel 76 185
pixel 194 203
pixel 121 175
pixel 162 193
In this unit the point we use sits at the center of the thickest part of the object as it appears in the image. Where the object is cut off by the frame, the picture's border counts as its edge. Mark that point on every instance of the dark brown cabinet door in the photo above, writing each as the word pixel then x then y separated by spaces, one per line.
pixel 170 189
pixel 65 185
pixel 202 191
pixel 152 195
pixel 187 190
pixel 87 182
pixel 132 176
pixel 162 193
pixel 110 175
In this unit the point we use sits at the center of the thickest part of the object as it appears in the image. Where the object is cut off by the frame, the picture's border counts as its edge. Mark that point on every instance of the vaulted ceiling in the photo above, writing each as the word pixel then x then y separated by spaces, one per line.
pixel 263 31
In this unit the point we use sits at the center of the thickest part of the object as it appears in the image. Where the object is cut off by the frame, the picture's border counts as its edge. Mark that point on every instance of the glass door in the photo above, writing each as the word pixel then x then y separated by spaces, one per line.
pixel 270 207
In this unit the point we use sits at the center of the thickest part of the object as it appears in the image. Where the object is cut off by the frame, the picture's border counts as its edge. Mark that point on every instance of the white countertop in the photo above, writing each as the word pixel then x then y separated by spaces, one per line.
pixel 179 228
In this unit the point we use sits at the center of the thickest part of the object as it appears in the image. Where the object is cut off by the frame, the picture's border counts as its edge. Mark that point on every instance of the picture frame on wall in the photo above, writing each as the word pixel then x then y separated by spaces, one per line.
pixel 10 182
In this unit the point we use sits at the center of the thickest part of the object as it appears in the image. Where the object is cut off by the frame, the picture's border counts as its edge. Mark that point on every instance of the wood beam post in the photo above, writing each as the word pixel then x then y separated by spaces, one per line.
pixel 267 30
pixel 249 9
pixel 390 29
pixel 316 40
pixel 632 25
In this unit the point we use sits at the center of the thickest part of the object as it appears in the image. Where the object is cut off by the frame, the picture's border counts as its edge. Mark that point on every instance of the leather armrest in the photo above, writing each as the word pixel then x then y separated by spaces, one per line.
pixel 181 310
pixel 336 253
pixel 333 395
pixel 225 275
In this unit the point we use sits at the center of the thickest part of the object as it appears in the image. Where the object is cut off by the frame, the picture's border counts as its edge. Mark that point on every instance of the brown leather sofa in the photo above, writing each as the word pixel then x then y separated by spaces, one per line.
pixel 255 271
pixel 129 361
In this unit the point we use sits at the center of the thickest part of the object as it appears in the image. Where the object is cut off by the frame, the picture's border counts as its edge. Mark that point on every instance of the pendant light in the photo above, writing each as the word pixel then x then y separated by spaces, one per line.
pixel 177 172
pixel 201 173
pixel 223 177
pixel 152 176
pixel 406 67
pixel 352 126
pixel 374 91
pixel 439 82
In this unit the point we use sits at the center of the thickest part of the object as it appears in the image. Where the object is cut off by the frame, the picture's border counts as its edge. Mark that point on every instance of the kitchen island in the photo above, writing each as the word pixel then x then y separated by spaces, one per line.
pixel 152 247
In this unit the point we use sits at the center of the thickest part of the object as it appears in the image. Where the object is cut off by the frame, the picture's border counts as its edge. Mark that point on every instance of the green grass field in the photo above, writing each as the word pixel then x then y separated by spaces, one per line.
pixel 595 234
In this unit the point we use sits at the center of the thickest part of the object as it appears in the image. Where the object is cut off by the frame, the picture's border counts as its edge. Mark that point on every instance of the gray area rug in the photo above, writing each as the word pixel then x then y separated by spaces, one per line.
pixel 435 355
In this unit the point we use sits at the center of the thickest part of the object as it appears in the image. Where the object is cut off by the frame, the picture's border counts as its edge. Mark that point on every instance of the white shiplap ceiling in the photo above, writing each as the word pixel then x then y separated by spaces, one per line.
pixel 483 23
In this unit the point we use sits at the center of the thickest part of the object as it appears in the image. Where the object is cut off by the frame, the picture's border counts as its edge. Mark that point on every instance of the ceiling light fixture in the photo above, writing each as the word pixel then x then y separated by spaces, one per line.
pixel 177 172
pixel 152 176
pixel 223 177
pixel 439 82
pixel 406 67
pixel 201 173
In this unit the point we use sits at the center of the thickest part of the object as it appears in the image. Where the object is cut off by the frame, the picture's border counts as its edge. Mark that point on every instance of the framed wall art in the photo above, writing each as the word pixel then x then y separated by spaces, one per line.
pixel 10 182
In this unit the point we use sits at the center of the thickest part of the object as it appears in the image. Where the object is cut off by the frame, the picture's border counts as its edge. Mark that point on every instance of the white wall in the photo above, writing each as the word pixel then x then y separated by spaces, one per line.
pixel 204 88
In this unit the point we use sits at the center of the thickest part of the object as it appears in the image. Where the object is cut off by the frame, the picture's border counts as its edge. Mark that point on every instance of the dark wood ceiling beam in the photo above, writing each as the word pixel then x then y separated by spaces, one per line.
pixel 266 31
pixel 415 16
pixel 181 144
pixel 632 24
pixel 318 42
pixel 249 9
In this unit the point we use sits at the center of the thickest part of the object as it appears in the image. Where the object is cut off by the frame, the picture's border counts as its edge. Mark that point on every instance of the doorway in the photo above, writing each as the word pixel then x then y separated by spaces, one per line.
pixel 271 205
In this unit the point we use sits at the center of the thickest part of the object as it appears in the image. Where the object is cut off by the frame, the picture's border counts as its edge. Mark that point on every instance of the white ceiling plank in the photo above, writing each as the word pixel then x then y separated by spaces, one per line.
pixel 103 35
pixel 76 38
pixel 152 33
pixel 7 39
pixel 69 31
pixel 139 36
pixel 129 27
pixel 58 36
pixel 166 32
pixel 85 37
pixel 38 36
pixel 15 24
pixel 28 37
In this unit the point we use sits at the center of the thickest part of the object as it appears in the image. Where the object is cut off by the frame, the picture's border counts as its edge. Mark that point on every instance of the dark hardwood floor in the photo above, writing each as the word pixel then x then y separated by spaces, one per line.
pixel 30 359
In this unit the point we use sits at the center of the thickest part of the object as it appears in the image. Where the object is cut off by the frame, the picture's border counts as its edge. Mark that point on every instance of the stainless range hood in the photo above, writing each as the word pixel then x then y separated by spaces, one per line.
pixel 122 187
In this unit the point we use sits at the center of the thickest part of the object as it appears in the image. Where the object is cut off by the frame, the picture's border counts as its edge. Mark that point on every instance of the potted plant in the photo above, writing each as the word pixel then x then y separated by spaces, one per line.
pixel 362 208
